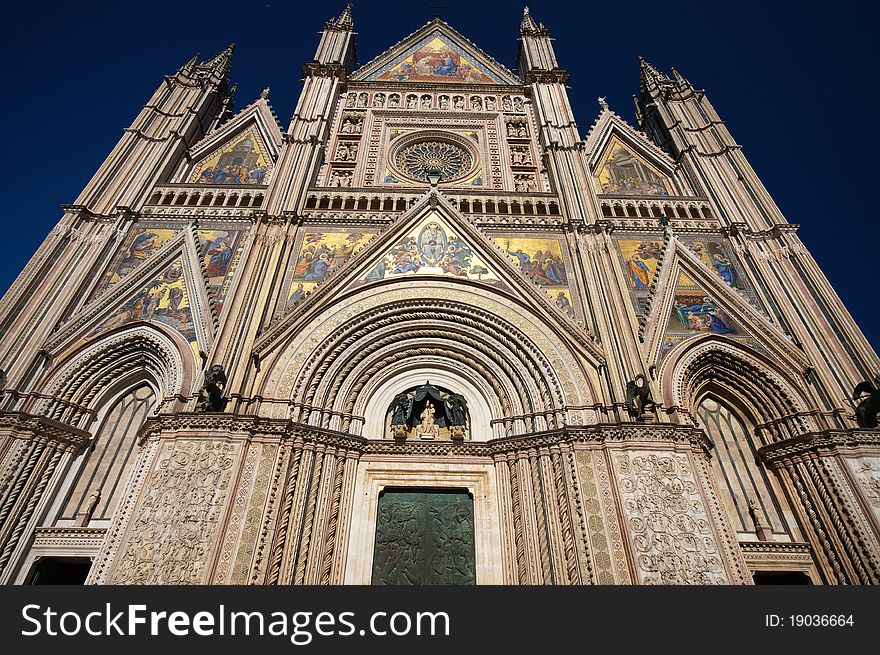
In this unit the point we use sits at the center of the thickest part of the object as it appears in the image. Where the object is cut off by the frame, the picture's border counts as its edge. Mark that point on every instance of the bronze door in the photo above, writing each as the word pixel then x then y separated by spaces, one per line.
pixel 424 537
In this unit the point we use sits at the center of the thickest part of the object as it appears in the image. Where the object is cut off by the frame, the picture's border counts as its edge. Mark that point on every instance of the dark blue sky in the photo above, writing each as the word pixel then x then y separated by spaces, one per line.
pixel 795 82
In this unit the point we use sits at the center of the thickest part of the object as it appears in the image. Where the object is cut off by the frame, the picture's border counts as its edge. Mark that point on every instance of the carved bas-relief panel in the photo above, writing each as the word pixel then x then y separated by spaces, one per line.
pixel 671 534
pixel 465 526
pixel 174 528
pixel 424 537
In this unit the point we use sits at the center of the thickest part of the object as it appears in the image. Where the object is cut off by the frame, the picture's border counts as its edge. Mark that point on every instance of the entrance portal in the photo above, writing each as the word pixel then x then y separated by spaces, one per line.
pixel 424 537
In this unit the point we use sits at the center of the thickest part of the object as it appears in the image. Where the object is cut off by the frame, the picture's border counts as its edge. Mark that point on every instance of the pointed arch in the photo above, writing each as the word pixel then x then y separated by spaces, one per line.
pixel 327 372
pixel 86 376
pixel 765 389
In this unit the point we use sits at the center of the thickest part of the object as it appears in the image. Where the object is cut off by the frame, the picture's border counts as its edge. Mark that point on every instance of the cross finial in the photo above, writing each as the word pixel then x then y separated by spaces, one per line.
pixel 602 102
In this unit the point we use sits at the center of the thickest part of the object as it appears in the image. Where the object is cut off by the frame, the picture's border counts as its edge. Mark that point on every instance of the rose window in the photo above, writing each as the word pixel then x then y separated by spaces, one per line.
pixel 424 158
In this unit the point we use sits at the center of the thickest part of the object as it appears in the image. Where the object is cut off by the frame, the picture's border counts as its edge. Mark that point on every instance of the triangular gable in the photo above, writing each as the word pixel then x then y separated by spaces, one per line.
pixel 436 53
pixel 625 161
pixel 413 230
pixel 167 289
pixel 243 159
pixel 243 151
pixel 696 311
pixel 163 298
pixel 432 248
pixel 622 172
pixel 693 299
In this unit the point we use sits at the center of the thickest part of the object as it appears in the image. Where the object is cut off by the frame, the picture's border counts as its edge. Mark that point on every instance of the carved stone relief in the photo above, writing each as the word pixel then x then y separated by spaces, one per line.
pixel 172 534
pixel 669 529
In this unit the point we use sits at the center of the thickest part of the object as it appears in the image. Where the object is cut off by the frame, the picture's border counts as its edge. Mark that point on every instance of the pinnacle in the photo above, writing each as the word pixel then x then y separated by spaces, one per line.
pixel 528 25
pixel 650 75
pixel 345 19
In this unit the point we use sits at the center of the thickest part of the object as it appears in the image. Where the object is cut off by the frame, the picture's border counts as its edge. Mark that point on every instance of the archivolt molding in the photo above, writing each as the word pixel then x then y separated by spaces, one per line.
pixel 89 372
pixel 772 397
pixel 347 333
pixel 445 335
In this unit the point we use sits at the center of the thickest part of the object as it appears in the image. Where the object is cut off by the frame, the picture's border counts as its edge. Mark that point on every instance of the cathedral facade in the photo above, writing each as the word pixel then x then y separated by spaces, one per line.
pixel 432 333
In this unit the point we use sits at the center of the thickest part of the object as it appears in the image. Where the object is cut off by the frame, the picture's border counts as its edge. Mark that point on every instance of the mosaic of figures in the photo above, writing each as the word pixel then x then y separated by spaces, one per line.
pixel 695 311
pixel 431 101
pixel 220 251
pixel 140 244
pixel 431 249
pixel 622 173
pixel 436 59
pixel 640 257
pixel 320 253
pixel 541 260
pixel 243 160
pixel 163 299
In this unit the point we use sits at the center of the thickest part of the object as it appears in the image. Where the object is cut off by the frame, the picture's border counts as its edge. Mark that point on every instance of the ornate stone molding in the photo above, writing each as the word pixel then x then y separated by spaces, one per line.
pixel 43 430
pixel 249 427
pixel 817 444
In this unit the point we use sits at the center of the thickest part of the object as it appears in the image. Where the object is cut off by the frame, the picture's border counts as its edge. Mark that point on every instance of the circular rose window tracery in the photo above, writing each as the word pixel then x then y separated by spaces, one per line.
pixel 424 158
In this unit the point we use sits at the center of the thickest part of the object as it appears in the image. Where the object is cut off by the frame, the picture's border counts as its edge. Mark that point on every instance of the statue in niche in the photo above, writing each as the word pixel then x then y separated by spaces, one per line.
pixel 393 101
pixel 379 100
pixel 490 103
pixel 428 429
pixel 524 183
pixel 444 102
pixel 211 398
pixel 362 100
pixel 518 104
pixel 425 411
pixel 457 409
pixel 426 102
pixel 869 405
pixel 458 102
pixel 343 152
pixel 411 102
pixel 638 398
pixel 350 100
pixel 476 103
pixel 506 104
pixel 400 409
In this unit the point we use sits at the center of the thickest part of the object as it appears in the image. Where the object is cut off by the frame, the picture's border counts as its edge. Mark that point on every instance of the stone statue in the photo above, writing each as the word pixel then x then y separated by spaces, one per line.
pixel 83 517
pixel 215 382
pixel 869 406
pixel 638 397
pixel 427 428
pixel 457 409
pixel 400 409
pixel 761 528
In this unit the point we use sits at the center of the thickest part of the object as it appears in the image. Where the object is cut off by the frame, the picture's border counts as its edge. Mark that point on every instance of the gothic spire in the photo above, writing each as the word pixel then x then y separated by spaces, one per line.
pixel 344 21
pixel 528 25
pixel 650 76
pixel 220 63
pixel 681 80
